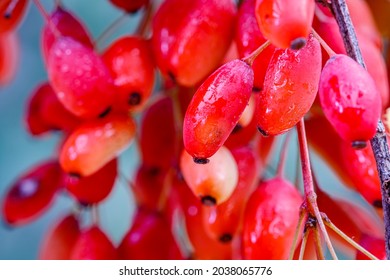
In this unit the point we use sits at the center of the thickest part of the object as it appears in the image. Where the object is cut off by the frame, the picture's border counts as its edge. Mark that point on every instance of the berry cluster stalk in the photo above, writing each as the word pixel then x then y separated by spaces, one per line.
pixel 379 142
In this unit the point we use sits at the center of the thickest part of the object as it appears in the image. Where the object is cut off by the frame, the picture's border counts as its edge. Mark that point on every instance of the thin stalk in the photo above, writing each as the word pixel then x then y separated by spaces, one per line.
pixel 379 144
pixel 47 18
pixel 251 57
pixel 302 214
pixel 318 244
pixel 95 214
pixel 326 47
pixel 332 226
pixel 144 24
pixel 308 185
pixel 303 244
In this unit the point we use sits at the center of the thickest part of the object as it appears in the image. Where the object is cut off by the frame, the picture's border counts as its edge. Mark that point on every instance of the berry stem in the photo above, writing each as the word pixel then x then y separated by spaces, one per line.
pixel 302 214
pixel 303 244
pixel 144 24
pixel 103 37
pixel 251 57
pixel 318 244
pixel 379 144
pixel 95 214
pixel 329 224
pixel 308 185
pixel 326 47
pixel 47 18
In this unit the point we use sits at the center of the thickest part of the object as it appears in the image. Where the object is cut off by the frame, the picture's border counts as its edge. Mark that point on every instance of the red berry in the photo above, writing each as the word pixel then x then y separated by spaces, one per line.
pixel 248 38
pixel 158 122
pixel 63 22
pixel 223 222
pixel 94 143
pixel 32 193
pixel 11 13
pixel 58 242
pixel 93 244
pixel 45 112
pixel 213 182
pixel 286 24
pixel 216 108
pixel 130 62
pixel 270 220
pixel 80 78
pixel 149 238
pixel 130 6
pixel 290 87
pixel 95 187
pixel 9 57
pixel 190 38
pixel 350 99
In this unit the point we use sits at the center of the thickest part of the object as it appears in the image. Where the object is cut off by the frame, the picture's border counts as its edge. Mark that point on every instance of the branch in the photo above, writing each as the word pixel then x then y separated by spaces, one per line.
pixel 379 142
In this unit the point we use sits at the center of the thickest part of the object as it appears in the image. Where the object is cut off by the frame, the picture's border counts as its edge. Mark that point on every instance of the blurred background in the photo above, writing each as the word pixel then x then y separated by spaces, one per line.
pixel 19 151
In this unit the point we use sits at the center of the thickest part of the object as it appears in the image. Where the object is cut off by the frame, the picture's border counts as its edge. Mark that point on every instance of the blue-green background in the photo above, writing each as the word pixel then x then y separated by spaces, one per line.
pixel 19 151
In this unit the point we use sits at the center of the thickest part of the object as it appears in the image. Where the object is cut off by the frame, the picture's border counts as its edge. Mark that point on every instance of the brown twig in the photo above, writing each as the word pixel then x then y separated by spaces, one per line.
pixel 379 144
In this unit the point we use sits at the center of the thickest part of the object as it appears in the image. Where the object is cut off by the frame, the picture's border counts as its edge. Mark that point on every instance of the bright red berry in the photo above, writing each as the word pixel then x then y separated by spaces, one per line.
pixel 216 108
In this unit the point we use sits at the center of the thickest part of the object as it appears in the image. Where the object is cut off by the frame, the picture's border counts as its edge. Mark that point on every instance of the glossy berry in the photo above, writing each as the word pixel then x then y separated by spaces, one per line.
pixel 45 112
pixel 32 193
pixel 130 62
pixel 130 6
pixel 94 143
pixel 248 38
pixel 223 222
pixel 190 38
pixel 11 13
pixel 149 238
pixel 290 87
pixel 214 182
pixel 286 24
pixel 93 244
pixel 63 23
pixel 216 108
pixel 58 242
pixel 80 78
pixel 350 99
pixel 95 187
pixel 360 166
pixel 270 220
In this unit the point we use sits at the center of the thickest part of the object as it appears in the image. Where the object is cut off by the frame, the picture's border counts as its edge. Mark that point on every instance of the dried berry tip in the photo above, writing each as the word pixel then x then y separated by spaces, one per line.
pixel 237 128
pixel 359 144
pixel 298 43
pixel 201 160
pixel 256 89
pixel 105 112
pixel 377 204
pixel 74 175
pixel 134 98
pixel 208 200
pixel 226 238
pixel 262 131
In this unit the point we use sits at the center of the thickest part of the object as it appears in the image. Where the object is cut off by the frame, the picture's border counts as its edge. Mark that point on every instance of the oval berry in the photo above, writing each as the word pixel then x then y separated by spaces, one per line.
pixel 349 99
pixel 190 38
pixel 95 143
pixel 32 193
pixel 66 24
pixel 290 88
pixel 216 108
pixel 130 6
pixel 270 220
pixel 81 80
pixel 214 182
pixel 286 24
pixel 9 57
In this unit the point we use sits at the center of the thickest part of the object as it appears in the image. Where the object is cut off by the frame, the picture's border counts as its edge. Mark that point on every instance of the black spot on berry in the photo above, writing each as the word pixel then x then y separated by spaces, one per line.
pixel 134 99
pixel 377 204
pixel 263 132
pixel 298 43
pixel 208 200
pixel 237 128
pixel 225 238
pixel 201 160
pixel 359 144
pixel 105 112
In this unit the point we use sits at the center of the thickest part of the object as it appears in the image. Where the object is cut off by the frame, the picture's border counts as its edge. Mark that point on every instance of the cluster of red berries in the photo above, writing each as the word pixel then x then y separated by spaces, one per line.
pixel 227 70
